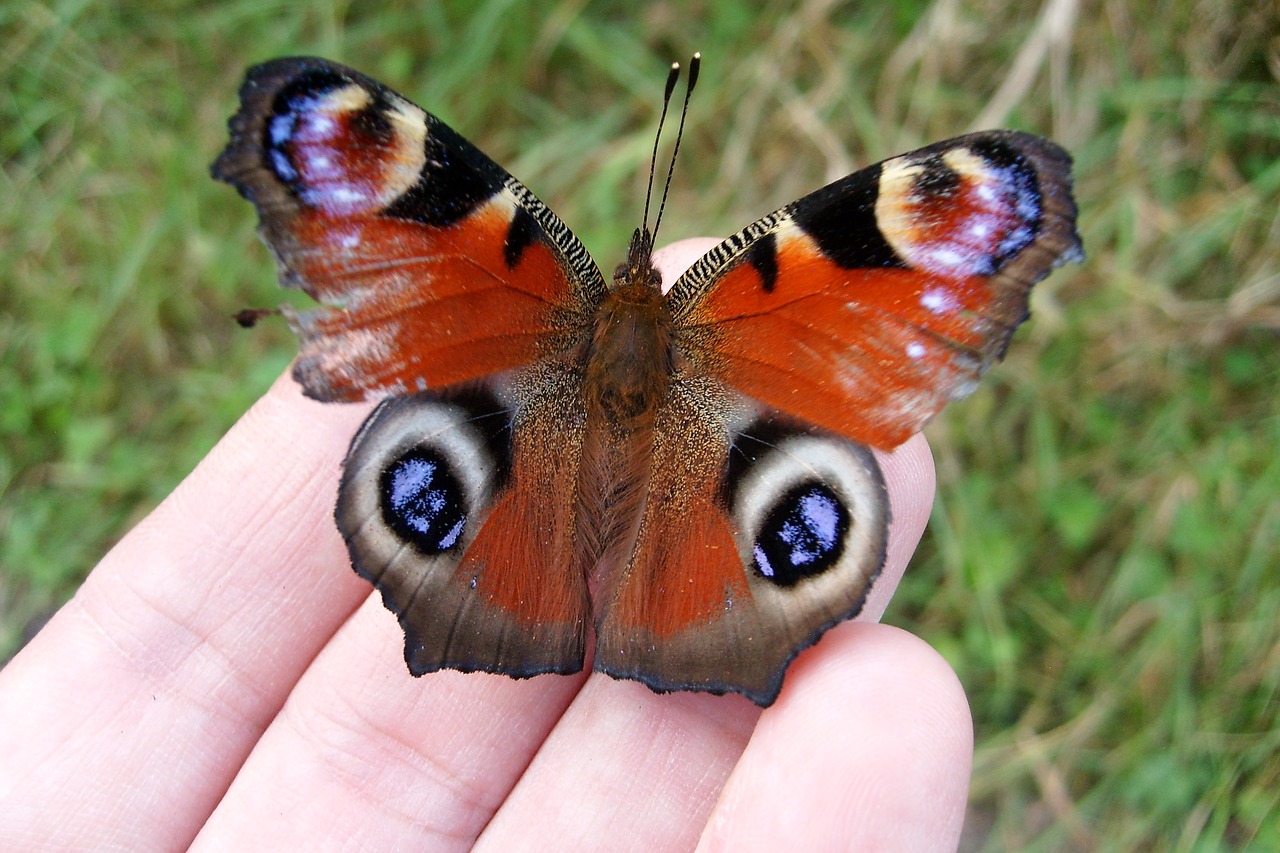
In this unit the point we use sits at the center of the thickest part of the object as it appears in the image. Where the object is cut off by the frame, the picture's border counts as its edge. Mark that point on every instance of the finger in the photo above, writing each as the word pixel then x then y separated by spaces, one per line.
pixel 873 746
pixel 645 771
pixel 132 710
pixel 365 755
pixel 909 476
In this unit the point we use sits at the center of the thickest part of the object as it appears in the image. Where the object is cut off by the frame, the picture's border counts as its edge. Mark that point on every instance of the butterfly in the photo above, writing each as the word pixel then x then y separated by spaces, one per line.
pixel 687 477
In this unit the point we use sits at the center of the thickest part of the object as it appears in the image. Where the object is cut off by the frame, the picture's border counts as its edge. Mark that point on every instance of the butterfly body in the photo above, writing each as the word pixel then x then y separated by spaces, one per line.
pixel 686 476
pixel 629 363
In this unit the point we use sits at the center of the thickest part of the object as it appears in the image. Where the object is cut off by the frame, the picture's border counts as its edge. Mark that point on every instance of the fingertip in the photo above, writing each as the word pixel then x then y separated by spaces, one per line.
pixel 873 665
pixel 875 742
pixel 674 259
pixel 909 472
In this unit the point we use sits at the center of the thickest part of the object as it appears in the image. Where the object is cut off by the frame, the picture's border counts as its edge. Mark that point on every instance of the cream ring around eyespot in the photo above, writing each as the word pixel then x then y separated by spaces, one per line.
pixel 410 157
pixel 411 423
pixel 852 473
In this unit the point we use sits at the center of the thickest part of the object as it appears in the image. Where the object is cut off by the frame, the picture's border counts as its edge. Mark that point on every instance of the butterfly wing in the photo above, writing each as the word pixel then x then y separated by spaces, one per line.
pixel 434 266
pixel 859 311
pixel 436 270
pixel 867 306
pixel 454 506
pixel 759 534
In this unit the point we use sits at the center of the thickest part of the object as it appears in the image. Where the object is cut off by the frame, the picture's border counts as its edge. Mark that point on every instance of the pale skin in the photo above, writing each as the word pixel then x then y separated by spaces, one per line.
pixel 224 680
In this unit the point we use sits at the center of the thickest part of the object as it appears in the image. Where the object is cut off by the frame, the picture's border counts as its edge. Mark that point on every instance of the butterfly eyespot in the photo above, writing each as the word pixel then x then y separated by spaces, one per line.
pixel 420 477
pixel 341 147
pixel 423 500
pixel 959 212
pixel 803 534
pixel 810 507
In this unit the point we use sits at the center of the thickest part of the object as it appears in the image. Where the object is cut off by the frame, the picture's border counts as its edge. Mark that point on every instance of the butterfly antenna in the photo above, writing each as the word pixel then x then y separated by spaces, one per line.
pixel 694 64
pixel 672 76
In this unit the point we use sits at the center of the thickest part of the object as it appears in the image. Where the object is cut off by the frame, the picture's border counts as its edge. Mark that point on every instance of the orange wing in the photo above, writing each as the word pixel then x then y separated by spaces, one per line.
pixel 868 305
pixel 437 266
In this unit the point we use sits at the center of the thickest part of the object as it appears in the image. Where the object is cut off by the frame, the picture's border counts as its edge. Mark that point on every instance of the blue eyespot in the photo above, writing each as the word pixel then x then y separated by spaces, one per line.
pixel 423 501
pixel 803 534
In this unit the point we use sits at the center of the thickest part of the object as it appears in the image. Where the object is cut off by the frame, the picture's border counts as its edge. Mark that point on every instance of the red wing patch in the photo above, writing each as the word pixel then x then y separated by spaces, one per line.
pixel 868 305
pixel 685 572
pixel 424 307
pixel 523 559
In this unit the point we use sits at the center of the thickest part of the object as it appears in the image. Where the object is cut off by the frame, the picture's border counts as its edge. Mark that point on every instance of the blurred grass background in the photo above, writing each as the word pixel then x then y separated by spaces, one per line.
pixel 1103 566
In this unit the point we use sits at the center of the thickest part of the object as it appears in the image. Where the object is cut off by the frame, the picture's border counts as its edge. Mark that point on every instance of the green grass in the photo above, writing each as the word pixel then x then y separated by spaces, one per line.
pixel 1103 567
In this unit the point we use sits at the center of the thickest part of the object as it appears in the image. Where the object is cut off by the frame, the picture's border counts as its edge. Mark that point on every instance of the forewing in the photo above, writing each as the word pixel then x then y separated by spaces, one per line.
pixel 868 305
pixel 434 266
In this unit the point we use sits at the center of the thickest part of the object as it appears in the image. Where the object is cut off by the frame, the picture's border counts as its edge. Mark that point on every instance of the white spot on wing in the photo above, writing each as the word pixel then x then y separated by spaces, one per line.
pixel 346 354
pixel 505 203
pixel 963 388
pixel 938 301
pixel 762 561
pixel 348 239
pixel 339 199
pixel 945 256
pixel 913 406
pixel 282 166
pixel 281 129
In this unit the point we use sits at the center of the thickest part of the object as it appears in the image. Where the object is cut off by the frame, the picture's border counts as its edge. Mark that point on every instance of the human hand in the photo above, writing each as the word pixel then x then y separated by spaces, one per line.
pixel 224 680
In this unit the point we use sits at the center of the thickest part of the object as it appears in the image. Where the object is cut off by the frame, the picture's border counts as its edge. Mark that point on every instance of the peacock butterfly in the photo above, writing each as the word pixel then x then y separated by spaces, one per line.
pixel 690 472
